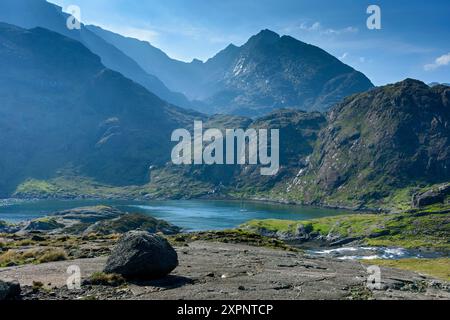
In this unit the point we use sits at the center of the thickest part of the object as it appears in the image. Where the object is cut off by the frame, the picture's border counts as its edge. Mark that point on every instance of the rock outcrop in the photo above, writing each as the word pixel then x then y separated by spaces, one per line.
pixel 102 220
pixel 141 255
pixel 8 228
pixel 433 196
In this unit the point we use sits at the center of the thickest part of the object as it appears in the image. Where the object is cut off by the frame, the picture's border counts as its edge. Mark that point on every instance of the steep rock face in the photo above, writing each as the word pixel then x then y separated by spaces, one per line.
pixel 298 132
pixel 298 135
pixel 376 142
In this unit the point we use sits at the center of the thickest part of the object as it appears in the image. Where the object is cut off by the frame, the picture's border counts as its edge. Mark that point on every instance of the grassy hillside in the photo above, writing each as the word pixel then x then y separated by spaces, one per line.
pixel 427 228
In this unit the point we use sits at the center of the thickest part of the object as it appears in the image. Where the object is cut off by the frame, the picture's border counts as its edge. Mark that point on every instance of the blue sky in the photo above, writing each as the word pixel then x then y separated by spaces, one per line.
pixel 414 40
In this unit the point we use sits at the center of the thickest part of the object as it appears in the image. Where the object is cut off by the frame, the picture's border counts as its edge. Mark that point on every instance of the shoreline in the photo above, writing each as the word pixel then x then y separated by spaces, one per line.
pixel 207 198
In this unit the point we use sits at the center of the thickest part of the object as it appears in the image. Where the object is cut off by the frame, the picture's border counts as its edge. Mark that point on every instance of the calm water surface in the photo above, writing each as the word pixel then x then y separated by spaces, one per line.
pixel 193 215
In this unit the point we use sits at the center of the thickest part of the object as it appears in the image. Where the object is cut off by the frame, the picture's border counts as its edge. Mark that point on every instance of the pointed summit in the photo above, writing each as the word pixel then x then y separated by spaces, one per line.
pixel 266 36
pixel 271 72
pixel 266 33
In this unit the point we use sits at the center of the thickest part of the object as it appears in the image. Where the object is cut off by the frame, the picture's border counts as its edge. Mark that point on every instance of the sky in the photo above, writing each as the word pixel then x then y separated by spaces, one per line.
pixel 413 42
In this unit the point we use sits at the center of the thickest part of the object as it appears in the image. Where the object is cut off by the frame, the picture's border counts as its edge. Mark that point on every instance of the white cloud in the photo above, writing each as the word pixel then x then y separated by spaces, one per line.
pixel 317 27
pixel 341 31
pixel 306 27
pixel 439 62
pixel 144 34
pixel 137 33
pixel 344 55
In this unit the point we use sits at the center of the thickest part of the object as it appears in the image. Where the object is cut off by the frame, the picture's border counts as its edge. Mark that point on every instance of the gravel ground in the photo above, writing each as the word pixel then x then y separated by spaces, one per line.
pixel 211 270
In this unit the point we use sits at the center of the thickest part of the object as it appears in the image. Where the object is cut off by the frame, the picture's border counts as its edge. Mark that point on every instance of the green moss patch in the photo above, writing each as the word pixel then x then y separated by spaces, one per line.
pixel 439 268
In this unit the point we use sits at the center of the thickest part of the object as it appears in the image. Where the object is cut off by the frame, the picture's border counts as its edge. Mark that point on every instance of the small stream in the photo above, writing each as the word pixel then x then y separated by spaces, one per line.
pixel 372 253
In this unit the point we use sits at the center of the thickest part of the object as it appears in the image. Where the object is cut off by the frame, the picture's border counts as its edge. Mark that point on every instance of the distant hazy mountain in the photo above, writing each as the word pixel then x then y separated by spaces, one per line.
pixel 39 13
pixel 177 75
pixel 60 107
pixel 434 84
pixel 268 72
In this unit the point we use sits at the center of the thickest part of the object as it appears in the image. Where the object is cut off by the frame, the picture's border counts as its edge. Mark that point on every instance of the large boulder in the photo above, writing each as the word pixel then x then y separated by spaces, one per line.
pixel 9 290
pixel 141 255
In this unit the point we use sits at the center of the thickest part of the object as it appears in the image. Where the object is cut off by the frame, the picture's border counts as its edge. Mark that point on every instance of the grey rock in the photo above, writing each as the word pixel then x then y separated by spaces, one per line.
pixel 9 290
pixel 42 225
pixel 88 214
pixel 432 196
pixel 9 228
pixel 141 255
pixel 86 220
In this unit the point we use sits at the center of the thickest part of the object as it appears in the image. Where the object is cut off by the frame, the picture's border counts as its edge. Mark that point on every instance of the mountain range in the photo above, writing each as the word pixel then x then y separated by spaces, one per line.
pixel 73 126
pixel 40 13
pixel 266 73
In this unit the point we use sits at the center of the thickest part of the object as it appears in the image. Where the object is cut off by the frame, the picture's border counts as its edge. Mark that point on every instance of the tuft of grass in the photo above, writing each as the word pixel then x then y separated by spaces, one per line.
pixel 9 259
pixel 53 255
pixel 23 243
pixel 37 286
pixel 14 257
pixel 272 225
pixel 360 293
pixel 104 279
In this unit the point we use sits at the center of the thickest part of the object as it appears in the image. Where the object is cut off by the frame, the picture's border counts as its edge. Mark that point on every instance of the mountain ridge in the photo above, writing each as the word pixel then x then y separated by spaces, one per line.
pixel 40 13
pixel 268 72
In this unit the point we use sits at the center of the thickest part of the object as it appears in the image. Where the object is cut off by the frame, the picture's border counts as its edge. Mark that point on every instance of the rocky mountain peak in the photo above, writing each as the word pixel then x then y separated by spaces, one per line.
pixel 266 36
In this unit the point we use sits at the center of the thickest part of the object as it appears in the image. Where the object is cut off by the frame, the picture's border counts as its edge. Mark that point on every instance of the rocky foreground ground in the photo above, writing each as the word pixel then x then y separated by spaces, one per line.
pixel 210 270
pixel 215 265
